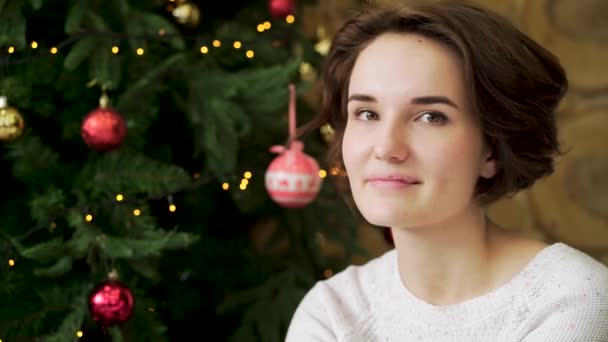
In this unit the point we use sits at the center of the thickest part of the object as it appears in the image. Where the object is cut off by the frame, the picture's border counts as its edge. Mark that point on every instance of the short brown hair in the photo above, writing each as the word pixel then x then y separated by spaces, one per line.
pixel 514 84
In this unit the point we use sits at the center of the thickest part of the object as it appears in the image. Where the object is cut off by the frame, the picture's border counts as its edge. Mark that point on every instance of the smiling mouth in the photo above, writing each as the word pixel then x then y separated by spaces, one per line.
pixel 392 183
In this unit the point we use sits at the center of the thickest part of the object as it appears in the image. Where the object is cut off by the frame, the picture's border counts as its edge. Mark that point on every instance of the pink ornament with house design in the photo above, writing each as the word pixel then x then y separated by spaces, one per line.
pixel 292 179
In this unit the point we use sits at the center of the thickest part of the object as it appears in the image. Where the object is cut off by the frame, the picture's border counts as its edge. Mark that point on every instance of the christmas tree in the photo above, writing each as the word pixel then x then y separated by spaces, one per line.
pixel 137 201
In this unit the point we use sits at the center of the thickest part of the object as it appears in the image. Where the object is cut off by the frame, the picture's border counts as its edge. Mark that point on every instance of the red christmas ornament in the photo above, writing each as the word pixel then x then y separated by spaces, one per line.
pixel 111 303
pixel 292 179
pixel 103 129
pixel 281 8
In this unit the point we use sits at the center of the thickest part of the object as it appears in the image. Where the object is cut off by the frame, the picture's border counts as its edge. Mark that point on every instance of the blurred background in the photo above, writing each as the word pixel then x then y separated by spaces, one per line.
pixel 147 193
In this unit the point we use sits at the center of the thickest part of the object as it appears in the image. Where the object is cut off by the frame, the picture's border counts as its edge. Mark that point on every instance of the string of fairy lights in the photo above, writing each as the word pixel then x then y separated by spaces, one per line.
pixel 204 48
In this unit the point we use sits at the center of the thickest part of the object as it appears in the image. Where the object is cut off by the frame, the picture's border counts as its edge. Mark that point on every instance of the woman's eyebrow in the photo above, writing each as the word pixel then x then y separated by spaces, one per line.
pixel 425 100
pixel 434 100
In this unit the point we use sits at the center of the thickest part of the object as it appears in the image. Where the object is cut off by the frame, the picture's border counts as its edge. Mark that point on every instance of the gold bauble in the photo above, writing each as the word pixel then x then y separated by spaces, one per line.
pixel 307 72
pixel 187 14
pixel 328 133
pixel 323 41
pixel 11 122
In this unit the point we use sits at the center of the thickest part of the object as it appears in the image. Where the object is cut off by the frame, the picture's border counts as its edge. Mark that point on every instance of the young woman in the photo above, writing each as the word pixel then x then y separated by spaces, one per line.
pixel 440 110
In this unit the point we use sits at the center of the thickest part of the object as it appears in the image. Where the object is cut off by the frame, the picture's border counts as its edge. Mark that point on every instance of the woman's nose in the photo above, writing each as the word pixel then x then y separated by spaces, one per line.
pixel 391 144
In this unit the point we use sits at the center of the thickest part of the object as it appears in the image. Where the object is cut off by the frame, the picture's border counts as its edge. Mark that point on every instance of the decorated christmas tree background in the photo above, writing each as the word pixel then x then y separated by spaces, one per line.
pixel 149 187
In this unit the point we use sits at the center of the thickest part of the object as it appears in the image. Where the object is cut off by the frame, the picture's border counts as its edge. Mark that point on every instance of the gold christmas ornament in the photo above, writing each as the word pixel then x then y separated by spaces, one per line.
pixel 187 14
pixel 11 122
pixel 307 72
pixel 323 41
pixel 328 133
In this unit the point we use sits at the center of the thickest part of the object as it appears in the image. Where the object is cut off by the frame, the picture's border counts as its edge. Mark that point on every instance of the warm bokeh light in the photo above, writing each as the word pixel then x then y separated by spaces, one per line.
pixel 217 43
pixel 136 212
pixel 79 334
pixel 53 50
pixel 172 208
pixel 249 53
pixel 140 51
pixel 225 186
pixel 115 49
pixel 290 19
pixel 88 218
pixel 34 44
pixel 119 197
pixel 204 49
pixel 322 173
pixel 260 28
pixel 247 175
pixel 267 25
pixel 11 49
pixel 11 262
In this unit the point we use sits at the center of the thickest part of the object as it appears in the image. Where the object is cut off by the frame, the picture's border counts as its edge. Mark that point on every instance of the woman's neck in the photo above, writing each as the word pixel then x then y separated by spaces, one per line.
pixel 448 263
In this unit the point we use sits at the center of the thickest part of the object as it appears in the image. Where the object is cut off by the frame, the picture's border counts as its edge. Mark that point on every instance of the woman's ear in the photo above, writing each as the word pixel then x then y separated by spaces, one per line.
pixel 488 165
pixel 488 168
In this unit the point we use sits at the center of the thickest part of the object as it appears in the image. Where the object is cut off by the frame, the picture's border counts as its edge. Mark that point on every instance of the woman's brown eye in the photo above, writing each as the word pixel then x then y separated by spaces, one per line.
pixel 367 115
pixel 434 117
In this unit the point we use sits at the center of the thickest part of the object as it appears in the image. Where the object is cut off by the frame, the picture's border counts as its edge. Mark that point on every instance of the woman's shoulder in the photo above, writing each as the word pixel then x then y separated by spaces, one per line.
pixel 342 302
pixel 571 291
pixel 565 271
pixel 574 267
pixel 357 284
pixel 371 272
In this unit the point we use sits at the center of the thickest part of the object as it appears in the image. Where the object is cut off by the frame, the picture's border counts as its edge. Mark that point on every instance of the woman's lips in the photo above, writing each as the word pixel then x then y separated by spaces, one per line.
pixel 392 182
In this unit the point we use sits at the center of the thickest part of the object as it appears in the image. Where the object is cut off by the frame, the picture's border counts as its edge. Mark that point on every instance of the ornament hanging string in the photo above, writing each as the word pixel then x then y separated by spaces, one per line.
pixel 292 112
pixel 295 144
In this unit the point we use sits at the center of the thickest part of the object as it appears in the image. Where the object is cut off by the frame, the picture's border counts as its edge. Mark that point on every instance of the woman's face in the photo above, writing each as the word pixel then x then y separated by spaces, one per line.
pixel 412 149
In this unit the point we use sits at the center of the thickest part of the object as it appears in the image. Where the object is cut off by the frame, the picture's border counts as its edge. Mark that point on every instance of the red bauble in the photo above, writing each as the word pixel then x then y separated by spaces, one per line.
pixel 292 179
pixel 103 129
pixel 111 303
pixel 281 8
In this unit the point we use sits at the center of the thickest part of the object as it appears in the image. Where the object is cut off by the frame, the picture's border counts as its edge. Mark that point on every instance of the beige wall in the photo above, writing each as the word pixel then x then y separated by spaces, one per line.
pixel 572 205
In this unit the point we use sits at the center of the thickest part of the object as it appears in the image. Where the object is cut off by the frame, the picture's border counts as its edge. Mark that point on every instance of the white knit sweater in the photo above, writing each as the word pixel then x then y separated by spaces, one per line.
pixel 561 295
